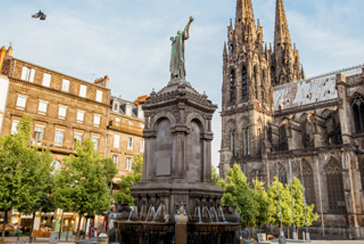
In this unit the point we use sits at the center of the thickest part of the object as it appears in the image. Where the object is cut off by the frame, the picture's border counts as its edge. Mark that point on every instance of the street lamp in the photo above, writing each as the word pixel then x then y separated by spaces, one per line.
pixel 294 226
pixel 282 239
pixel 304 203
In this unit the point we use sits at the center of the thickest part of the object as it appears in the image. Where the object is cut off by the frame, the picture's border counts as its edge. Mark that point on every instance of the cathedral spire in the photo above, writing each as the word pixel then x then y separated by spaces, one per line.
pixel 244 17
pixel 286 58
pixel 281 31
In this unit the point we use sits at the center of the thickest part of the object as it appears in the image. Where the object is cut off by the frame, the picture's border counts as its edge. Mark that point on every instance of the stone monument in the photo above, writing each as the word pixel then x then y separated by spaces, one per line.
pixel 176 202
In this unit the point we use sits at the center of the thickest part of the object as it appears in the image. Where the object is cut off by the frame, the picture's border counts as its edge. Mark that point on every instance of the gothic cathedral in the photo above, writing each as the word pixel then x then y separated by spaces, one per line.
pixel 277 122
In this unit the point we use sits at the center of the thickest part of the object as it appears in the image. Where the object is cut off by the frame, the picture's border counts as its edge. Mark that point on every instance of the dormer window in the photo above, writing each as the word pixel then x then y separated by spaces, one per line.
pixel 115 106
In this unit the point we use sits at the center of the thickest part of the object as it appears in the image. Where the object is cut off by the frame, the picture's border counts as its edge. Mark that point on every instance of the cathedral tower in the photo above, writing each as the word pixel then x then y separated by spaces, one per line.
pixel 247 93
pixel 286 66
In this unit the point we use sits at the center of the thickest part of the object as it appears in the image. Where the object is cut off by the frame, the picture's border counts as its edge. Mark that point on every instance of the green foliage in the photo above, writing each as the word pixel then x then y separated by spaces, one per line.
pixel 81 185
pixel 263 204
pixel 285 203
pixel 298 205
pixel 25 172
pixel 216 179
pixel 132 178
pixel 237 192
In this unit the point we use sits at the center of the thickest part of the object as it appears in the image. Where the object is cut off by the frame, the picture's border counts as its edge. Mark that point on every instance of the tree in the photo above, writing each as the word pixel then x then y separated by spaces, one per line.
pixel 42 188
pixel 238 192
pixel 81 185
pixel 298 206
pixel 285 203
pixel 23 169
pixel 263 204
pixel 132 178
pixel 216 179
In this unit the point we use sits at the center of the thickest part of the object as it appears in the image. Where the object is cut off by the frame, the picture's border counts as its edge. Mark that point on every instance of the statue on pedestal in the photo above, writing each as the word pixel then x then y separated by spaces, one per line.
pixel 177 63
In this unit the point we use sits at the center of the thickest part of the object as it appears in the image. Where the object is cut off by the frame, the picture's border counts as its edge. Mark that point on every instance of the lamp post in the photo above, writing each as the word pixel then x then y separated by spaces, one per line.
pixel 282 239
pixel 304 203
pixel 294 226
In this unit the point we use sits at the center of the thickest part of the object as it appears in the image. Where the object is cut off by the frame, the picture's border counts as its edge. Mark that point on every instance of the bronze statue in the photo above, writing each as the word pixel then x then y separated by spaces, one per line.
pixel 177 64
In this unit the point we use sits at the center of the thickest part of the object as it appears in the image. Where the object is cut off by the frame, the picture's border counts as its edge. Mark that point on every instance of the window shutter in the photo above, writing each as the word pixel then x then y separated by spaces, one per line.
pixel 116 141
pixel 46 80
pixel 24 73
pixel 65 85
pixel 99 96
pixel 83 90
pixel 32 74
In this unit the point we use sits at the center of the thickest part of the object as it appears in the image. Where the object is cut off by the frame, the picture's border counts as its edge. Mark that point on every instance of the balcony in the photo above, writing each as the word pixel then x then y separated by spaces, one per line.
pixel 133 129
pixel 64 148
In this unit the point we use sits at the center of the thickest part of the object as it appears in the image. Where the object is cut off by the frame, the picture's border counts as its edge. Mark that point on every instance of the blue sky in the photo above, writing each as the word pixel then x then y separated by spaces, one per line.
pixel 129 40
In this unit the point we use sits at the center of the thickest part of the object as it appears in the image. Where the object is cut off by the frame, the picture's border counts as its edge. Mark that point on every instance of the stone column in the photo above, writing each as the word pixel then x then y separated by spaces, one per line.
pixel 181 228
pixel 343 105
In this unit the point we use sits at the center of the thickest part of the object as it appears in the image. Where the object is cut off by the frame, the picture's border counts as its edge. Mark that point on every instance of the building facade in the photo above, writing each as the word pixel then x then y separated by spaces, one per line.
pixel 66 109
pixel 277 122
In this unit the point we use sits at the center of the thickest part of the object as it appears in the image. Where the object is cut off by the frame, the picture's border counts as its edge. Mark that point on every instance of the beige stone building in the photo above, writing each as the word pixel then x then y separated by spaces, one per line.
pixel 65 109
pixel 125 129
pixel 277 122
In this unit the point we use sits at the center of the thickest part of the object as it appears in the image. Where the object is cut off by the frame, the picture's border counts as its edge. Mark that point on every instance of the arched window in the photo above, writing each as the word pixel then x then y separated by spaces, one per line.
pixel 232 87
pixel 307 179
pixel 280 172
pixel 335 188
pixel 232 142
pixel 246 146
pixel 257 174
pixel 256 81
pixel 283 141
pixel 244 83
pixel 262 85
pixel 362 173
pixel 358 108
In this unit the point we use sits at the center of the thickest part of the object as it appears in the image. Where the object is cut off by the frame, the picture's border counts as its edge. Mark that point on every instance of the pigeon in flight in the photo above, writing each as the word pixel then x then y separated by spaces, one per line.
pixel 39 15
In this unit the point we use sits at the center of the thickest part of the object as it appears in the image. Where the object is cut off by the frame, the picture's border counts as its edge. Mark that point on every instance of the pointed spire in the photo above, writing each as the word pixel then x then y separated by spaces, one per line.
pixel 281 31
pixel 244 17
pixel 302 73
pixel 224 55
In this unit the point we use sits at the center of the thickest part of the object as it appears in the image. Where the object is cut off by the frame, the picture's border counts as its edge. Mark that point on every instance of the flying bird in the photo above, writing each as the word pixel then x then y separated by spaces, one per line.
pixel 39 15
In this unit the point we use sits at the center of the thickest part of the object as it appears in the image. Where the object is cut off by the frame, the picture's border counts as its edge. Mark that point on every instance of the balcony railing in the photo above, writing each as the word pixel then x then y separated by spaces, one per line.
pixel 126 127
pixel 51 144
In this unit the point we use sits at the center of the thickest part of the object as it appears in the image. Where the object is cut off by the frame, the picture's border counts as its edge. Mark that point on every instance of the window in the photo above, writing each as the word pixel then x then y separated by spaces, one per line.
pixel 116 141
pixel 58 138
pixel 42 107
pixel 280 172
pixel 244 83
pixel 232 87
pixel 358 108
pixel 335 188
pixel 62 110
pixel 129 162
pixel 95 140
pixel 232 142
pixel 21 102
pixel 65 85
pixel 28 74
pixel 97 119
pixel 115 159
pixel 361 167
pixel 283 140
pixel 246 146
pixel 130 143
pixel 78 136
pixel 38 134
pixel 128 109
pixel 307 180
pixel 13 126
pixel 56 164
pixel 80 115
pixel 46 80
pixel 83 90
pixel 98 96
pixel 141 145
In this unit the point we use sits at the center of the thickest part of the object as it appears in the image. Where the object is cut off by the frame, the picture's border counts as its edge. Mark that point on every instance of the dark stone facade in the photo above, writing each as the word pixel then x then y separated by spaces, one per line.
pixel 290 124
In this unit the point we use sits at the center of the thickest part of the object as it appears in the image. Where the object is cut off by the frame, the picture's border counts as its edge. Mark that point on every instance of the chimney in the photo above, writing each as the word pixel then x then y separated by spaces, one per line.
pixel 2 55
pixel 9 52
pixel 103 81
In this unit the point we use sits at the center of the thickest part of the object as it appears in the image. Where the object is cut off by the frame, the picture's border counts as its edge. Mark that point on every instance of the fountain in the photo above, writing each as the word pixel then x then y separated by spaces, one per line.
pixel 176 173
